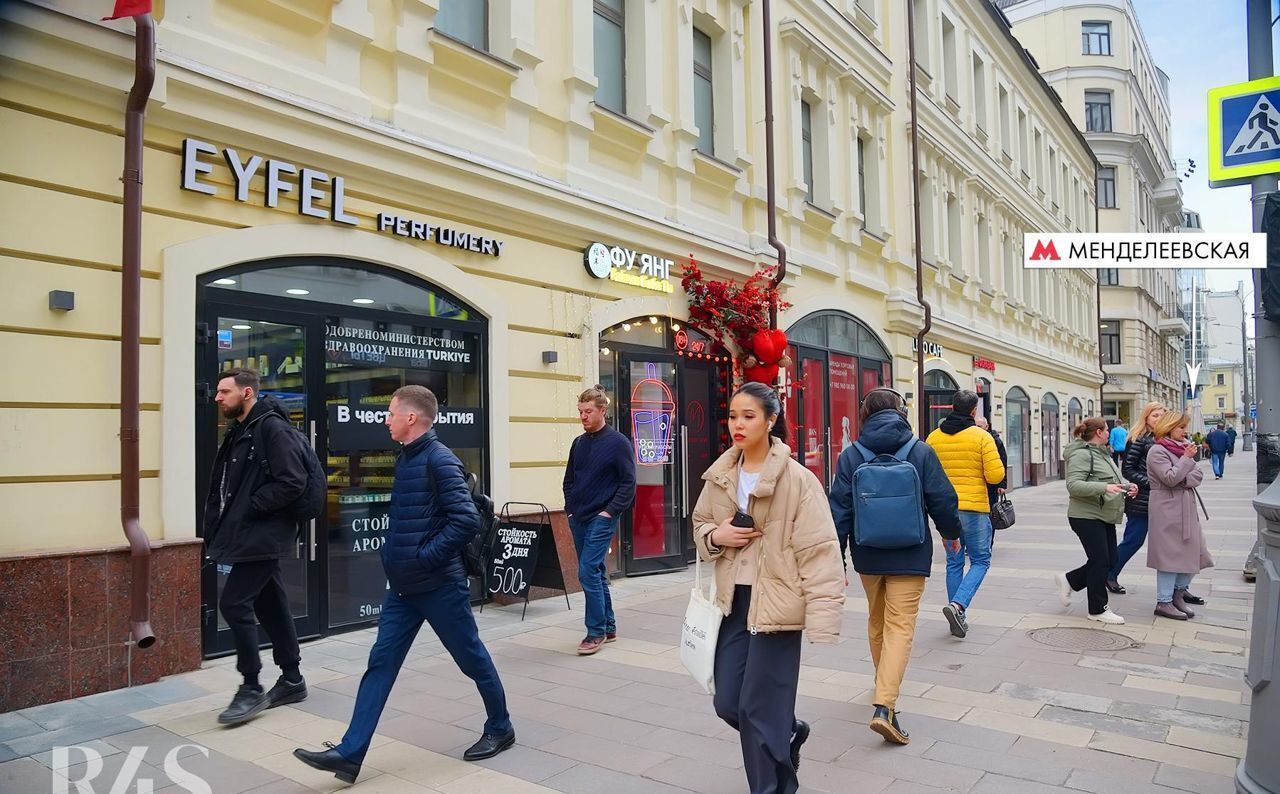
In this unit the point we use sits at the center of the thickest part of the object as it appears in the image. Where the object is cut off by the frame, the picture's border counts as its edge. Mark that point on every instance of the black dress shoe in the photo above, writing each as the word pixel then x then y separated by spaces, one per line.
pixel 799 734
pixel 489 745
pixel 1191 598
pixel 329 760
pixel 247 704
pixel 285 692
pixel 885 723
pixel 1116 587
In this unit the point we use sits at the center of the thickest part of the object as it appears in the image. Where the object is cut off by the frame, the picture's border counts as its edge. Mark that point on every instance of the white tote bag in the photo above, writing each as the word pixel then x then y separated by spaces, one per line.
pixel 701 629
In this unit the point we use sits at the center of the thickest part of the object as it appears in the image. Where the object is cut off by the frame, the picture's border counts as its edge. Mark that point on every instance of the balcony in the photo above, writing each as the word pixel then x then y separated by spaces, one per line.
pixel 1174 326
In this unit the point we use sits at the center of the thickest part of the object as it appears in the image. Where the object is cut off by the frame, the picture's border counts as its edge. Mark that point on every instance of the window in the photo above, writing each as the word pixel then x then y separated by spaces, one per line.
pixel 1222 401
pixel 1006 138
pixel 1107 187
pixel 704 114
pixel 862 179
pixel 465 20
pixel 1096 38
pixel 1053 176
pixel 979 93
pixel 1039 161
pixel 1109 341
pixel 806 147
pixel 1097 111
pixel 984 252
pixel 1222 379
pixel 1109 277
pixel 954 249
pixel 611 55
pixel 1024 153
pixel 950 65
pixel 928 221
pixel 921 9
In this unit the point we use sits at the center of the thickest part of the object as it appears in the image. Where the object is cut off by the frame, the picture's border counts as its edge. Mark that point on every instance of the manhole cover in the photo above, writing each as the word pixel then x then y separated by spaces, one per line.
pixel 1081 639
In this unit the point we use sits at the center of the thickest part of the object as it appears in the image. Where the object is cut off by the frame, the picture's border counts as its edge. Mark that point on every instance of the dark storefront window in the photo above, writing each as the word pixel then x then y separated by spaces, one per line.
pixel 939 388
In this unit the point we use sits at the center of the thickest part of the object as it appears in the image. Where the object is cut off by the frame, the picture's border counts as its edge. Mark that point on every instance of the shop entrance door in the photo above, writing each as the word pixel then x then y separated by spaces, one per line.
pixel 655 531
pixel 811 435
pixel 701 424
pixel 274 343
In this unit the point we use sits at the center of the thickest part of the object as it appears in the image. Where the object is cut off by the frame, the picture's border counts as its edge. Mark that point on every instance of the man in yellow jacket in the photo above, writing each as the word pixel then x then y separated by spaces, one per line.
pixel 972 462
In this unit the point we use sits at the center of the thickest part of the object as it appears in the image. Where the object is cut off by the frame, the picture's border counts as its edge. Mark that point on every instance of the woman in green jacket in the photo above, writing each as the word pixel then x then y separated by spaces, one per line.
pixel 1098 491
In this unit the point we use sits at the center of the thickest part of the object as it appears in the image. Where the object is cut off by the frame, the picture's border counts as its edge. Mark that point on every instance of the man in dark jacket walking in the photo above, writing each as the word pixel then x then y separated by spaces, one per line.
pixel 1218 441
pixel 249 525
pixel 599 484
pixel 894 579
pixel 432 517
pixel 1231 441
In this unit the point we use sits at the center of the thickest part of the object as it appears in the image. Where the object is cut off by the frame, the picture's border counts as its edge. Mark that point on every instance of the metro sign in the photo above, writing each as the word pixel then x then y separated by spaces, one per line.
pixel 1044 250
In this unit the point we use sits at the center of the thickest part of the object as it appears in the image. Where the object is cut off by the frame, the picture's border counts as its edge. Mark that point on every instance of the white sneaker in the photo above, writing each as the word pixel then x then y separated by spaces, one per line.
pixel 1108 617
pixel 1064 588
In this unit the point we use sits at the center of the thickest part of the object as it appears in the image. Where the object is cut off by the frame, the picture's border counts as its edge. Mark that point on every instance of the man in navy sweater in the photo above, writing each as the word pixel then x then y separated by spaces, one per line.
pixel 599 484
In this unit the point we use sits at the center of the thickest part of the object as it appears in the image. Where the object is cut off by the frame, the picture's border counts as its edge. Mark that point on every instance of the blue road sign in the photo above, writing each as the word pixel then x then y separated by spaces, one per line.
pixel 1244 131
pixel 1253 412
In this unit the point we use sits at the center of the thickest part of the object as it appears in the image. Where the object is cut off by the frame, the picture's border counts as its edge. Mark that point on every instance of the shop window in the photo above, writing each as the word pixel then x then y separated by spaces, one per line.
pixel 610 45
pixel 703 93
pixel 465 20
pixel 939 388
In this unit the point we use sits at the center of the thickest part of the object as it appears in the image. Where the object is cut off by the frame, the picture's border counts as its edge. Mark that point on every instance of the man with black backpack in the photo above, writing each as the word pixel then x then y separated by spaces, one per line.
pixel 263 485
pixel 433 518
pixel 887 486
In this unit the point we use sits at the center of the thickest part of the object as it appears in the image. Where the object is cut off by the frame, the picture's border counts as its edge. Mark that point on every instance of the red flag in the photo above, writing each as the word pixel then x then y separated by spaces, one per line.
pixel 129 8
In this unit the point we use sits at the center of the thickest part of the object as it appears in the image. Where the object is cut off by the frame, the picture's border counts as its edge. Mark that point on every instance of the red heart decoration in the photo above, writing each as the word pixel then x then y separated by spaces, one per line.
pixel 762 373
pixel 769 345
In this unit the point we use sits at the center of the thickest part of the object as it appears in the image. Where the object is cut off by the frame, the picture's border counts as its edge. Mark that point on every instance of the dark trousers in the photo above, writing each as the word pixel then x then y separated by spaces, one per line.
pixel 756 678
pixel 1099 541
pixel 448 610
pixel 254 593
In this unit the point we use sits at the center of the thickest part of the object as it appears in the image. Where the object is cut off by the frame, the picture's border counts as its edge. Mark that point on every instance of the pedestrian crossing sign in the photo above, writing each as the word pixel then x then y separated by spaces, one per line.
pixel 1244 131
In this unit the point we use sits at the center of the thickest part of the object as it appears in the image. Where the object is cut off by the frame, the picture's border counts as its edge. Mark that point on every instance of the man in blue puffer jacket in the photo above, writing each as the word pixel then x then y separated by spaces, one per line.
pixel 432 517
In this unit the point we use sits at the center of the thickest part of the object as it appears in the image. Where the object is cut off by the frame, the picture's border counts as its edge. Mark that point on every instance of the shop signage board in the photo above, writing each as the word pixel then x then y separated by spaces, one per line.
pixel 358 583
pixel 521 555
pixel 355 426
pixel 930 348
pixel 627 266
pixel 984 363
pixel 356 344
pixel 1244 131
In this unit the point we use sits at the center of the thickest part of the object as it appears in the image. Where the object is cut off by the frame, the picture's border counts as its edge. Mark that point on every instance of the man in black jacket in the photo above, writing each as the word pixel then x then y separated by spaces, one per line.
pixel 249 524
pixel 432 517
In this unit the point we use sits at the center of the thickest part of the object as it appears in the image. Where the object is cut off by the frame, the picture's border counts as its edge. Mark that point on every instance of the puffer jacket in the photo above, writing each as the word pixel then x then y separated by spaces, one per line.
pixel 431 517
pixel 1134 469
pixel 799 579
pixel 970 458
pixel 1090 470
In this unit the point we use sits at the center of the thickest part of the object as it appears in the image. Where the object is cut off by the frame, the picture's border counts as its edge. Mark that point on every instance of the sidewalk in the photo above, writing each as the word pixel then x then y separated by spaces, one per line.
pixel 996 712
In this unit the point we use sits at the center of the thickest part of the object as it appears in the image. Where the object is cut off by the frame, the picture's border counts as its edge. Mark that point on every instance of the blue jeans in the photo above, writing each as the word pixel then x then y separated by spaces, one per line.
pixel 975 541
pixel 448 610
pixel 1167 582
pixel 1135 534
pixel 591 538
pixel 1217 460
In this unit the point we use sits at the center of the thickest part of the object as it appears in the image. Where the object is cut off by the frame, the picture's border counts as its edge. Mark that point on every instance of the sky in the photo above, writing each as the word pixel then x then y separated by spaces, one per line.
pixel 1201 44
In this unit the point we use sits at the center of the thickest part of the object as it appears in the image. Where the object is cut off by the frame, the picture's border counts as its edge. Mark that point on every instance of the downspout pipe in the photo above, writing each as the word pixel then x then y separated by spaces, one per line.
pixel 1097 290
pixel 144 75
pixel 770 182
pixel 922 405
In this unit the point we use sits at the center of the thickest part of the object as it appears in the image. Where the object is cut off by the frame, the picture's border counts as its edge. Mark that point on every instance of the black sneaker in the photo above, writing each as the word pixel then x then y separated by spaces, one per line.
pixel 285 692
pixel 247 704
pixel 489 745
pixel 885 723
pixel 955 616
pixel 1191 598
pixel 799 734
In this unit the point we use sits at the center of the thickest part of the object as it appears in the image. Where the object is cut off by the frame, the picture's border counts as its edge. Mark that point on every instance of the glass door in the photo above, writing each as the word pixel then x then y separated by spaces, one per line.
pixel 275 344
pixel 1016 431
pixel 648 414
pixel 701 423
pixel 811 438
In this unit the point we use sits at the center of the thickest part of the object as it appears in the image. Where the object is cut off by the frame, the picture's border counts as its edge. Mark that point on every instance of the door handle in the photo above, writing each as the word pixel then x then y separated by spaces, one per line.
pixel 684 469
pixel 311 525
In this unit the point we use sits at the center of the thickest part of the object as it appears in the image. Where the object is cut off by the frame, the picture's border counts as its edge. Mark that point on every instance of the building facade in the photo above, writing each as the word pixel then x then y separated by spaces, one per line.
pixel 1095 56
pixel 498 204
pixel 1226 339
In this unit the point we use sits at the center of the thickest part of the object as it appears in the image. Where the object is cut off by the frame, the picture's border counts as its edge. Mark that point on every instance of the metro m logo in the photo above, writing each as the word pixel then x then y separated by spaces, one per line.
pixel 1045 251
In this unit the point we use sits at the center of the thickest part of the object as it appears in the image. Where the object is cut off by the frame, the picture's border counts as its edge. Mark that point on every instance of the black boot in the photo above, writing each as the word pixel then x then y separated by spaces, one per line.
pixel 799 734
pixel 285 692
pixel 885 723
pixel 329 760
pixel 248 702
pixel 489 745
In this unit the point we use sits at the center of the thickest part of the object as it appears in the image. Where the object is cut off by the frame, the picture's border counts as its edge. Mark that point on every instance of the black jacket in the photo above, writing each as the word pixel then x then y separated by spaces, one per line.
pixel 1134 469
pixel 884 433
pixel 993 491
pixel 432 517
pixel 260 471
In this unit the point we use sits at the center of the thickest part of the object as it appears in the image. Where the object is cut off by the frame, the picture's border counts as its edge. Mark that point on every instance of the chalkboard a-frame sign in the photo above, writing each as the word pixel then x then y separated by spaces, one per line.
pixel 522 555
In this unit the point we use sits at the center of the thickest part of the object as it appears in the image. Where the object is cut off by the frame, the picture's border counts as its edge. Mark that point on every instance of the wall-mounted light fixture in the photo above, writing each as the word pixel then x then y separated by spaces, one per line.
pixel 550 357
pixel 61 300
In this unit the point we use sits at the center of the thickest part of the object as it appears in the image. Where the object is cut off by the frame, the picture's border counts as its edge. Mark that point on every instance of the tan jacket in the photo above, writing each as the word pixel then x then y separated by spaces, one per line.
pixel 799 583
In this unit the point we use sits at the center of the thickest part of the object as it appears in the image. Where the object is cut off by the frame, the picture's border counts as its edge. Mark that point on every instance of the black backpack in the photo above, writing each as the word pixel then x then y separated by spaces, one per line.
pixel 473 553
pixel 310 503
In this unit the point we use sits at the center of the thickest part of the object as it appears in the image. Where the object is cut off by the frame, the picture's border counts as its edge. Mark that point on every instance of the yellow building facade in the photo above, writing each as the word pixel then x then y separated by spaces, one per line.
pixel 498 203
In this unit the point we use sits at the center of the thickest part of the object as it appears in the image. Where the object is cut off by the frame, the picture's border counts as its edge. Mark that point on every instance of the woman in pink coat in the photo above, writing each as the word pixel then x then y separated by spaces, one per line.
pixel 1176 546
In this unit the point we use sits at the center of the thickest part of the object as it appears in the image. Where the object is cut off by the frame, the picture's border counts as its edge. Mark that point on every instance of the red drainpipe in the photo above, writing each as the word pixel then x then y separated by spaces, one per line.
pixel 770 199
pixel 144 75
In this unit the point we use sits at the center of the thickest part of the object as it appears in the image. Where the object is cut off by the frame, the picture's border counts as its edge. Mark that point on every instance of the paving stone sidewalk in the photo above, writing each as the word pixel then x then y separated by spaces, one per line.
pixel 996 712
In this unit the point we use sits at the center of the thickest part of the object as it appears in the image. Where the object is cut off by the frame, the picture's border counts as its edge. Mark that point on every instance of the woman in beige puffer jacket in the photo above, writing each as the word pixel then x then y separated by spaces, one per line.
pixel 776 575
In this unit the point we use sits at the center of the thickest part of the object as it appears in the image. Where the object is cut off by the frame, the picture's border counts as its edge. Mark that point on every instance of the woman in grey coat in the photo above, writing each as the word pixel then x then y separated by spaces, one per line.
pixel 1176 546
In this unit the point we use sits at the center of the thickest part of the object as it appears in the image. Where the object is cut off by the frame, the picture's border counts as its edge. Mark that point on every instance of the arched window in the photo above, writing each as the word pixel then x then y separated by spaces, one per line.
pixel 1075 412
pixel 1017 436
pixel 835 360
